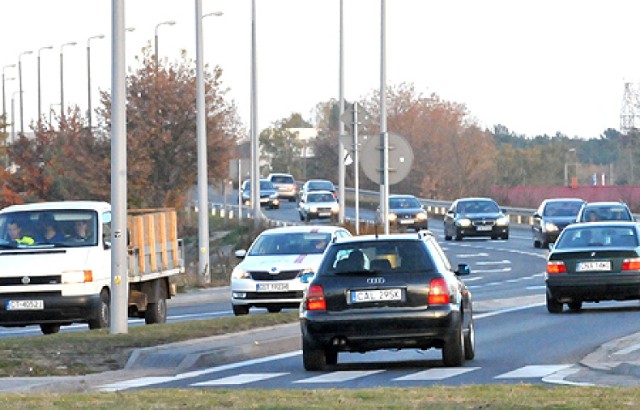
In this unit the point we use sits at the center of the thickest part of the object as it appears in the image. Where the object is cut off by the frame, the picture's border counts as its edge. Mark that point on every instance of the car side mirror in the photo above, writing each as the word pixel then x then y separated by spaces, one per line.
pixel 536 215
pixel 241 253
pixel 551 246
pixel 463 270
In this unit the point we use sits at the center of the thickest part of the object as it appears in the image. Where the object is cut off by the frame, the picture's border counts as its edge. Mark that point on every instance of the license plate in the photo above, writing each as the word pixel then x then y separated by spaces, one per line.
pixel 25 305
pixel 406 221
pixel 272 287
pixel 483 228
pixel 593 266
pixel 324 214
pixel 376 295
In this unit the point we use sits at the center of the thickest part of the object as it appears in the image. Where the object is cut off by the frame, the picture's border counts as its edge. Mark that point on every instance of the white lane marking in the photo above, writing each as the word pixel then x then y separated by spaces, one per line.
pixel 499 312
pixel 502 262
pixel 148 381
pixel 243 378
pixel 534 371
pixel 536 287
pixel 436 374
pixel 472 279
pixel 559 377
pixel 340 376
pixel 472 255
pixel 490 270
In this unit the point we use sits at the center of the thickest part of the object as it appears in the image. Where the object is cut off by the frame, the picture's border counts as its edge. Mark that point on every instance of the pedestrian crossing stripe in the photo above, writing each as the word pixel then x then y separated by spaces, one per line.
pixel 533 371
pixel 337 377
pixel 243 378
pixel 436 374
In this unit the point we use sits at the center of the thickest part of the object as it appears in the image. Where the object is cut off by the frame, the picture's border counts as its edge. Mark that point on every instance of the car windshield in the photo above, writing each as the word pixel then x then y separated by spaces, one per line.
pixel 59 228
pixel 377 257
pixel 477 207
pixel 290 243
pixel 589 236
pixel 568 208
pixel 264 185
pixel 403 203
pixel 320 198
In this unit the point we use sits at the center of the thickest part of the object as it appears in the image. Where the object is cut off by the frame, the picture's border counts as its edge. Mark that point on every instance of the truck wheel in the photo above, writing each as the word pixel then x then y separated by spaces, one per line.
pixel 101 317
pixel 49 328
pixel 156 312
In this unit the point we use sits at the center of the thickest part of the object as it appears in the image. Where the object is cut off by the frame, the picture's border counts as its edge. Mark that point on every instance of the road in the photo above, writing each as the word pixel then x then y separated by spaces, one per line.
pixel 517 340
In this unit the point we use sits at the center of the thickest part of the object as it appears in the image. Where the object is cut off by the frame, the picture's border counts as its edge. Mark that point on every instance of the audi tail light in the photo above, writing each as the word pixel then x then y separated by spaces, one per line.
pixel 438 292
pixel 315 298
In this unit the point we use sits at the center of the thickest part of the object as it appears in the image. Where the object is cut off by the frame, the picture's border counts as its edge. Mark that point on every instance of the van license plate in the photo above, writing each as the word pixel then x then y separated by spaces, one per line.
pixel 25 305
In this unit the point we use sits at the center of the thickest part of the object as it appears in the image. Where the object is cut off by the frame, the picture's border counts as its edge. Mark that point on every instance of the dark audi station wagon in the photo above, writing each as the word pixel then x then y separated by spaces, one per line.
pixel 386 292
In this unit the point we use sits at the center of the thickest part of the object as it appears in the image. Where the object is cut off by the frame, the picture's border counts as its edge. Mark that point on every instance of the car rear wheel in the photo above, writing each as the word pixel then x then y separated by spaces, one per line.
pixel 313 357
pixel 331 356
pixel 470 342
pixel 553 306
pixel 575 306
pixel 239 310
pixel 453 350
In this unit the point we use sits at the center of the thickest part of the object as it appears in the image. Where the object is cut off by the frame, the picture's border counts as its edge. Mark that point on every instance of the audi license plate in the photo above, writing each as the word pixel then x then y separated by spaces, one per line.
pixel 25 305
pixel 377 295
pixel 483 228
pixel 272 287
pixel 593 266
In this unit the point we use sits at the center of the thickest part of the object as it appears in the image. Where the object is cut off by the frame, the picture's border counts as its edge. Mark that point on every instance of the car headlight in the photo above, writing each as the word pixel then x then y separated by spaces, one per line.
pixel 313 209
pixel 502 221
pixel 464 222
pixel 550 227
pixel 392 217
pixel 335 208
pixel 239 273
pixel 421 216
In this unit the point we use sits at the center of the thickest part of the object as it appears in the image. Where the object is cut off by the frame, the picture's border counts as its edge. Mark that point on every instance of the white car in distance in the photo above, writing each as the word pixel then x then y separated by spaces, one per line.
pixel 276 269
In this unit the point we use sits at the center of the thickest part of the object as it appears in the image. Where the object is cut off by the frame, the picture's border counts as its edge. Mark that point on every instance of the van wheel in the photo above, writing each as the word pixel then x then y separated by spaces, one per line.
pixel 240 310
pixel 156 312
pixel 49 328
pixel 101 316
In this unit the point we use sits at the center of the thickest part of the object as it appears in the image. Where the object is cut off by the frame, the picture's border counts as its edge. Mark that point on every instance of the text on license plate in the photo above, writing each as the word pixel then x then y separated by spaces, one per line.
pixel 483 228
pixel 406 221
pixel 272 287
pixel 375 295
pixel 592 266
pixel 25 305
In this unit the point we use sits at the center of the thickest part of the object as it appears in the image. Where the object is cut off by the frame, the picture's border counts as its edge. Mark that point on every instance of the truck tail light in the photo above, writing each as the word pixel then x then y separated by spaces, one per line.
pixel 315 298
pixel 554 267
pixel 438 292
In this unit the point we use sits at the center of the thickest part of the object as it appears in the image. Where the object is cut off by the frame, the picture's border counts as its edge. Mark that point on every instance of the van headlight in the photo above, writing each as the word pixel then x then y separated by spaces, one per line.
pixel 78 276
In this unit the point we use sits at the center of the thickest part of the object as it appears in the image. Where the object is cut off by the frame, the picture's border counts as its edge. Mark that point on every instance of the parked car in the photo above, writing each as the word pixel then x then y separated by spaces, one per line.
pixel 604 211
pixel 270 273
pixel 318 205
pixel 318 185
pixel 551 217
pixel 592 262
pixel 268 195
pixel 405 211
pixel 286 186
pixel 475 217
pixel 386 292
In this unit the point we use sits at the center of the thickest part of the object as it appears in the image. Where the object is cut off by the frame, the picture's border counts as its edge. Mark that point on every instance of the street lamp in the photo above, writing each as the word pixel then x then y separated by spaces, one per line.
pixel 164 23
pixel 39 96
pixel 73 43
pixel 13 121
pixel 4 102
pixel 20 85
pixel 570 154
pixel 201 133
pixel 100 36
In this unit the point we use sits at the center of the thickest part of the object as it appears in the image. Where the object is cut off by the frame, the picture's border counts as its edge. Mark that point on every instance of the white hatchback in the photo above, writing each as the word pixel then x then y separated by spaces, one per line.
pixel 276 269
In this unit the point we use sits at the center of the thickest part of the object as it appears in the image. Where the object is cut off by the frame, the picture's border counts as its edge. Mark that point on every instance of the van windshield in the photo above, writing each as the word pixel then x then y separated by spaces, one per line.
pixel 49 228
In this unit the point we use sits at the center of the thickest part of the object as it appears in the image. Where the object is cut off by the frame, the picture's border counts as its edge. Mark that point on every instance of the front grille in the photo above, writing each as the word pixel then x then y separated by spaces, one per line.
pixel 483 222
pixel 274 295
pixel 30 280
pixel 283 275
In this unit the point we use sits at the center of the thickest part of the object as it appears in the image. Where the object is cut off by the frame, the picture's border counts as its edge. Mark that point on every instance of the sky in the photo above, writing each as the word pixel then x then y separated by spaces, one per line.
pixel 536 67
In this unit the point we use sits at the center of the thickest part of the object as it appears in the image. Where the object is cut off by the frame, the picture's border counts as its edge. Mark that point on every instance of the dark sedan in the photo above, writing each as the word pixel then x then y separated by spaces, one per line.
pixel 551 217
pixel 592 262
pixel 386 292
pixel 406 212
pixel 475 217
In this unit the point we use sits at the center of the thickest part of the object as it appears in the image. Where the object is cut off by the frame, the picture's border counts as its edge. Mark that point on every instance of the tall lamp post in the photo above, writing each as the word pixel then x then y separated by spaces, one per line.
pixel 73 43
pixel 13 120
pixel 89 112
pixel 201 132
pixel 20 87
pixel 164 23
pixel 39 95
pixel 4 100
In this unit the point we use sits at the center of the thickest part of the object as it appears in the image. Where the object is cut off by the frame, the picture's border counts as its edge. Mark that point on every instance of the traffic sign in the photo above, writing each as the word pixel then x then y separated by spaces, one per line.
pixel 400 158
